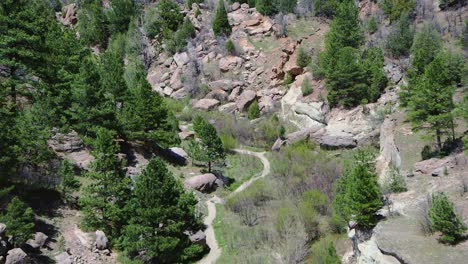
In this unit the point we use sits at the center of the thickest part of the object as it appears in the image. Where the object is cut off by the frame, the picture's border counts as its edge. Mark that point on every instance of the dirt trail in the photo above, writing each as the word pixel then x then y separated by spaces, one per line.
pixel 215 251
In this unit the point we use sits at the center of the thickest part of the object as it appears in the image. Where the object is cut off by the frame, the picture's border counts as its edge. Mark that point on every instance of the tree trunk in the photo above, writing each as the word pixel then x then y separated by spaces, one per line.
pixel 439 142
pixel 209 166
pixel 453 130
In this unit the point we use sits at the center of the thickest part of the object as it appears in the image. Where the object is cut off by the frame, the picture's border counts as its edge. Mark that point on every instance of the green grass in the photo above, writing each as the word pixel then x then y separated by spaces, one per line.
pixel 241 168
pixel 265 44
pixel 302 28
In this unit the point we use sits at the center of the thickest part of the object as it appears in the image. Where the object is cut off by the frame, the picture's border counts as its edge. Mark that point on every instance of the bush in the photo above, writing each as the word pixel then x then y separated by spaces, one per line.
pixel 288 79
pixel 229 141
pixel 265 7
pixel 323 251
pixel 221 24
pixel 254 111
pixel 306 87
pixel 372 25
pixel 230 47
pixel 394 181
pixel 444 219
pixel 395 8
pixel 426 153
pixel 303 59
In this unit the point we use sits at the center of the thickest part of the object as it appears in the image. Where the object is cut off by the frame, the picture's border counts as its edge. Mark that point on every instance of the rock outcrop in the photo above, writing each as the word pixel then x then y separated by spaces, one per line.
pixel 102 242
pixel 204 183
pixel 17 256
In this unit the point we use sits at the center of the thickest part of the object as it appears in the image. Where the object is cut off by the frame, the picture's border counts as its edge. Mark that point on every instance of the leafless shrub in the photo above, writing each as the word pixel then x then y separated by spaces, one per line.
pixel 464 185
pixel 423 217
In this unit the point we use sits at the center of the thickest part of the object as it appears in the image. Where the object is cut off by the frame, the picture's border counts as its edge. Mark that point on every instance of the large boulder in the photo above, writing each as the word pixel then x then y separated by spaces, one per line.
pixel 291 66
pixel 2 228
pixel 206 104
pixel 204 183
pixel 229 63
pixel 181 59
pixel 39 240
pixel 101 240
pixel 69 15
pixel 336 142
pixel 198 238
pixel 225 84
pixel 245 99
pixel 63 258
pixel 179 155
pixel 68 142
pixel 17 256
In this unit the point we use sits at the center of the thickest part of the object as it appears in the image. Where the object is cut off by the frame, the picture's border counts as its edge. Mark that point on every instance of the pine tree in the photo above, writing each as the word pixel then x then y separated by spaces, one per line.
pixel 120 15
pixel 19 219
pixel 265 7
pixel 400 40
pixel 91 107
pixel 430 100
pixel 112 77
pixel 146 116
pixel 426 45
pixel 92 23
pixel 303 58
pixel 161 212
pixel 254 110
pixel 372 26
pixel 346 83
pixel 444 219
pixel 210 144
pixel 21 44
pixel 358 192
pixel 68 182
pixel 221 24
pixel 104 200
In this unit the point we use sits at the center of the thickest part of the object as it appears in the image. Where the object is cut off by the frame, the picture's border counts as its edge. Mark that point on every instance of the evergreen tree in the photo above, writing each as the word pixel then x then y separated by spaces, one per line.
pixel 345 31
pixel 91 107
pixel 92 23
pixel 146 116
pixel 346 83
pixel 161 212
pixel 210 144
pixel 401 38
pixel 430 100
pixel 426 45
pixel 265 7
pixel 21 45
pixel 303 59
pixel 104 200
pixel 221 23
pixel 112 77
pixel 372 62
pixel 358 192
pixel 19 219
pixel 444 219
pixel 120 15
pixel 68 182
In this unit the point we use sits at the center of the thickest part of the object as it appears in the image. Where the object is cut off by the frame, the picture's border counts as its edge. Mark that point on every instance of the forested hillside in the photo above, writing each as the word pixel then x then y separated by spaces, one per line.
pixel 225 131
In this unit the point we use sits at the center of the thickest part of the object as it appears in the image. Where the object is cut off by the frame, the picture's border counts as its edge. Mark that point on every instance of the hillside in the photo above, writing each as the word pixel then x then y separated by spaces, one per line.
pixel 217 131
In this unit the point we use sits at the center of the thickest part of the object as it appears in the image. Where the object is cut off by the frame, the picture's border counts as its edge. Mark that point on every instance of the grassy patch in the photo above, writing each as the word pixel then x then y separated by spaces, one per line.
pixel 302 28
pixel 265 44
pixel 241 168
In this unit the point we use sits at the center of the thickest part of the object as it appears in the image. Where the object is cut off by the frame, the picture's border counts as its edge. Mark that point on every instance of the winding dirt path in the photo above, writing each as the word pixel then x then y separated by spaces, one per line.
pixel 215 250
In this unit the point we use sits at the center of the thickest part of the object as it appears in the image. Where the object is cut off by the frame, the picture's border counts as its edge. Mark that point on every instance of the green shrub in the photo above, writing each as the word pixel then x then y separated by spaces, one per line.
pixel 265 7
pixel 229 141
pixel 444 219
pixel 303 58
pixel 306 87
pixel 221 24
pixel 254 111
pixel 288 79
pixel 395 8
pixel 426 152
pixel 323 251
pixel 197 13
pixel 230 47
pixel 372 25
pixel 394 181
